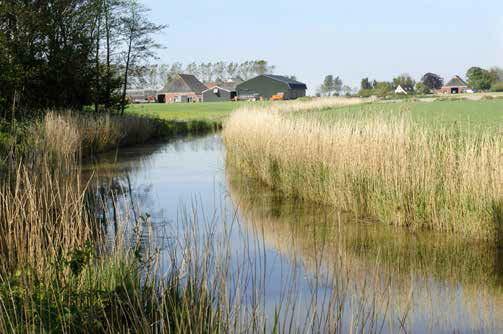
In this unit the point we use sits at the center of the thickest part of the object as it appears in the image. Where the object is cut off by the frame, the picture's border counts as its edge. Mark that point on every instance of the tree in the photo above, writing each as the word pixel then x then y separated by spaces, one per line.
pixel 432 81
pixel 337 85
pixel 497 73
pixel 60 52
pixel 347 90
pixel 262 67
pixel 152 77
pixel 405 81
pixel 140 47
pixel 328 85
pixel 365 84
pixel 177 68
pixel 111 9
pixel 383 89
pixel 421 88
pixel 47 49
pixel 479 78
pixel 97 77
pixel 231 69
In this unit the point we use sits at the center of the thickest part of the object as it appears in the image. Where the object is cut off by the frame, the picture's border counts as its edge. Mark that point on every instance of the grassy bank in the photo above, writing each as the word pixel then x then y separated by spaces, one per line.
pixel 214 112
pixel 217 112
pixel 377 165
pixel 88 134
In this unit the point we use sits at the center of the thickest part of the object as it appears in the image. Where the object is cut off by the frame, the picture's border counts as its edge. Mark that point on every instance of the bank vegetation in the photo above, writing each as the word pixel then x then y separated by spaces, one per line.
pixel 381 167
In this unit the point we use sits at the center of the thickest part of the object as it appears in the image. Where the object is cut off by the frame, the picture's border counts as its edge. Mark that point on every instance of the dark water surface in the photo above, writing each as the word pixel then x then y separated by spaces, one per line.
pixel 420 281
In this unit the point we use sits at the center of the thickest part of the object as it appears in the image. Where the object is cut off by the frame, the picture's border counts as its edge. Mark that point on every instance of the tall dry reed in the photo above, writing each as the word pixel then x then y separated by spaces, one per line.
pixel 379 167
pixel 316 104
pixel 67 133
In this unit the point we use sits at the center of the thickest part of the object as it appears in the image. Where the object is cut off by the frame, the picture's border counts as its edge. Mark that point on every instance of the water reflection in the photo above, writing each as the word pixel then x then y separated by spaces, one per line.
pixel 448 282
pixel 435 282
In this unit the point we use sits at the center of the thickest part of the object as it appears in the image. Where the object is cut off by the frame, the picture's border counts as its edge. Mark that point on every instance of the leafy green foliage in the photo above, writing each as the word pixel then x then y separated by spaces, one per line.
pixel 69 54
pixel 421 88
pixel 331 85
pixel 404 80
pixel 497 87
pixel 432 81
pixel 480 79
pixel 376 88
pixel 365 84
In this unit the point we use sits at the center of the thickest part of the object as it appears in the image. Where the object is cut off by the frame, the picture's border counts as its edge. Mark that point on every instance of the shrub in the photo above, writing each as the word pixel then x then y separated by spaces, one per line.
pixel 497 87
pixel 487 97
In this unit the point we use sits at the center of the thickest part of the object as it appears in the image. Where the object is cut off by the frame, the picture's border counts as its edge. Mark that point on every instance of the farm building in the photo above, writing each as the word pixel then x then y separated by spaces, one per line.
pixel 217 92
pixel 455 86
pixel 141 95
pixel 182 89
pixel 401 90
pixel 267 85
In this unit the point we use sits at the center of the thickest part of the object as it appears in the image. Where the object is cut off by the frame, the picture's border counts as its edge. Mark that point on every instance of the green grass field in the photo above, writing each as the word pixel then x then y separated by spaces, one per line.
pixel 476 115
pixel 480 115
pixel 215 111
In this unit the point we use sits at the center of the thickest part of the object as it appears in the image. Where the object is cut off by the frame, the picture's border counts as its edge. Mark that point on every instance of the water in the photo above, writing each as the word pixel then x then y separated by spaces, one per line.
pixel 308 253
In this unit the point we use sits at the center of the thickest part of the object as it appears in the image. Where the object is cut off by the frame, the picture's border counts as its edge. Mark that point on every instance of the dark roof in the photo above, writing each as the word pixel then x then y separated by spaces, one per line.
pixel 227 85
pixel 185 83
pixel 294 84
pixel 456 81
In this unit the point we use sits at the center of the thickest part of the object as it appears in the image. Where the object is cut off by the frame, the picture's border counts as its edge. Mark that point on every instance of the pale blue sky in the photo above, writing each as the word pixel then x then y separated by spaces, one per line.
pixel 352 39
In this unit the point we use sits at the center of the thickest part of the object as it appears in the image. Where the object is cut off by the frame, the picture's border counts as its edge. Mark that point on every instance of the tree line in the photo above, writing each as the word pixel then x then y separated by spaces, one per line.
pixel 478 79
pixel 157 75
pixel 333 85
pixel 70 53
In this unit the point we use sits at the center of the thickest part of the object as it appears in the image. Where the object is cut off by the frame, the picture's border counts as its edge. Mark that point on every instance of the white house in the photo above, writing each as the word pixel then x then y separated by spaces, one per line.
pixel 400 90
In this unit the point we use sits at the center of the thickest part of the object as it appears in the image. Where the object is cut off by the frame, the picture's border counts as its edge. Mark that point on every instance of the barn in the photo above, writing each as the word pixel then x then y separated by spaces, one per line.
pixel 182 88
pixel 219 92
pixel 266 85
pixel 455 86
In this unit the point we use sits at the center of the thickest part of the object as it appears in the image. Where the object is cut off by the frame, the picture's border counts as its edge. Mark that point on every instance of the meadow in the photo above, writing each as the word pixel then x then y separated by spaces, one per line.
pixel 481 115
pixel 484 114
pixel 212 112
pixel 433 165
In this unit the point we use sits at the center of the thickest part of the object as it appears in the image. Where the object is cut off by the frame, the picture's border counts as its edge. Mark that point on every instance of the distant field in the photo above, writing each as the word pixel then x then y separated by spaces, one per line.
pixel 214 111
pixel 483 114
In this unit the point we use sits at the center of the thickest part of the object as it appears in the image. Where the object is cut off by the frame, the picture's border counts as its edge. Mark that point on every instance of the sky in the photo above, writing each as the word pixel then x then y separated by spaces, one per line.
pixel 352 39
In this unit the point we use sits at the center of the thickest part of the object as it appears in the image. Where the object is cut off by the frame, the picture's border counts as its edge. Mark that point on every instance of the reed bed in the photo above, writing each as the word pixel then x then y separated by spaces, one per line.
pixel 317 104
pixel 379 167
pixel 62 270
pixel 70 132
pixel 61 273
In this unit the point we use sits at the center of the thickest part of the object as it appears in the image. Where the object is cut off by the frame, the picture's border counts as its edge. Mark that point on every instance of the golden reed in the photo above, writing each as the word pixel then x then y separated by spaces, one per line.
pixel 378 166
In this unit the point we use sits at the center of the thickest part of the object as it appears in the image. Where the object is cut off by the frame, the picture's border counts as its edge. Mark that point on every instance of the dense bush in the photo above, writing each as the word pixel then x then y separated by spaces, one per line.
pixel 497 87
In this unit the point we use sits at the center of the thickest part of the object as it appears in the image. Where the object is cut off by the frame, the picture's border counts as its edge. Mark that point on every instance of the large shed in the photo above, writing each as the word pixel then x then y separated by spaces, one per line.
pixel 219 92
pixel 182 88
pixel 266 85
